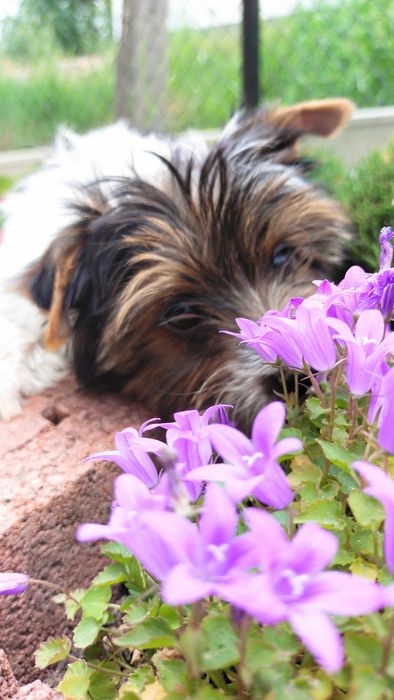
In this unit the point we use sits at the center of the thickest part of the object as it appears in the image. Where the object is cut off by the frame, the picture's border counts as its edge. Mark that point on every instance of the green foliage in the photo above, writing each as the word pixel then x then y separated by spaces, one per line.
pixel 367 195
pixel 52 651
pixel 74 27
pixel 342 48
pixel 331 48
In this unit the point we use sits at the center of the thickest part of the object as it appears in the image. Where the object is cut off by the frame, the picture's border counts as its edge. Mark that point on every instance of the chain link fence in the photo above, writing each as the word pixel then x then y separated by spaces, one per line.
pixel 172 64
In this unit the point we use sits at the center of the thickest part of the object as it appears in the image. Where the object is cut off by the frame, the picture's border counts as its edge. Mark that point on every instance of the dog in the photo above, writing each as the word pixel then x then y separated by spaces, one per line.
pixel 125 255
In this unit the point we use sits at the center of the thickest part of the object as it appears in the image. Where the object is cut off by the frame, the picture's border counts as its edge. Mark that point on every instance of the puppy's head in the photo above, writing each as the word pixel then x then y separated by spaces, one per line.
pixel 144 284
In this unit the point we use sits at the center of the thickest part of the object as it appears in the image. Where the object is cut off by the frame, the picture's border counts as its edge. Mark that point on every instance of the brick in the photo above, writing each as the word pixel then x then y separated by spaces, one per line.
pixel 45 492
pixel 37 691
pixel 8 684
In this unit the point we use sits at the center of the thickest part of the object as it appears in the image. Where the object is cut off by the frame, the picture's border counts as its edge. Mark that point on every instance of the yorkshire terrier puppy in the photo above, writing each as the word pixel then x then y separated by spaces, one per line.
pixel 127 254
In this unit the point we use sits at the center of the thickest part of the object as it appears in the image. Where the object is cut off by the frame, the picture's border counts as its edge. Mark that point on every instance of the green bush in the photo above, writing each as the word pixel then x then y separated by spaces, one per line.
pixel 367 193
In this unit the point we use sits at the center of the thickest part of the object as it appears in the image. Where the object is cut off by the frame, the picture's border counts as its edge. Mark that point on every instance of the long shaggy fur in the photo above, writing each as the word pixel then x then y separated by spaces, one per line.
pixel 155 261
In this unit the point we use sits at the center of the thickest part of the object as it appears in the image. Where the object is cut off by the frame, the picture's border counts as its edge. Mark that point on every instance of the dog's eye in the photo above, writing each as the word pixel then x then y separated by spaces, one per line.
pixel 181 316
pixel 281 255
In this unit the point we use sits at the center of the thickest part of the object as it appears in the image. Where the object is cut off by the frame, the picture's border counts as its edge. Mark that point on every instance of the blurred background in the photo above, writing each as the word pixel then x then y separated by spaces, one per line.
pixel 167 65
pixel 173 64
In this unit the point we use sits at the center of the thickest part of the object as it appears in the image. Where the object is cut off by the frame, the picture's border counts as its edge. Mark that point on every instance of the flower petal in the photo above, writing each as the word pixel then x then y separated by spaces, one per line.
pixel 312 549
pixel 273 489
pixel 218 522
pixel 267 425
pixel 339 593
pixel 182 586
pixel 319 635
pixel 12 583
pixel 271 539
pixel 230 443
pixel 253 593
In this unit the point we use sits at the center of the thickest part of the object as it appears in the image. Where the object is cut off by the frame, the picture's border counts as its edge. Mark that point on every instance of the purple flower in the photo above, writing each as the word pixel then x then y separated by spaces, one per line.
pixel 131 454
pixel 12 583
pixel 366 349
pixel 251 465
pixel 293 586
pixel 386 418
pixel 194 561
pixel 386 249
pixel 189 436
pixel 132 497
pixel 256 337
pixel 381 487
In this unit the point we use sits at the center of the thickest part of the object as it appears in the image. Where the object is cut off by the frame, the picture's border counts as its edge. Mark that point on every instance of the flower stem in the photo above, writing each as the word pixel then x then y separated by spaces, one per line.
pixel 102 669
pixel 243 642
pixel 316 387
pixel 54 587
pixel 387 645
pixel 283 380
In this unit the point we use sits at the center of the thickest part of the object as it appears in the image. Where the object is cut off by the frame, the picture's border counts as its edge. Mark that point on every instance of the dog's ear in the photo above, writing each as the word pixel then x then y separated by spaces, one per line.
pixel 46 283
pixel 319 117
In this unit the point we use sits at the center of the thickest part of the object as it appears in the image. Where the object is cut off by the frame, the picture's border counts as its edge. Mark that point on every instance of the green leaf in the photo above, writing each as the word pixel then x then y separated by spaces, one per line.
pixel 208 693
pixel 171 615
pixel 308 493
pixel 117 552
pixel 126 692
pixel 103 686
pixel 137 681
pixel 367 511
pixel 152 633
pixel 52 651
pixel 315 410
pixel 360 567
pixel 282 638
pixel 86 632
pixel 71 601
pixel 345 480
pixel 95 601
pixel 135 576
pixel 114 573
pixel 323 512
pixel 173 674
pixel 75 683
pixel 192 645
pixel 367 684
pixel 303 470
pixel 259 652
pixel 222 644
pixel 337 455
pixel 363 649
pixel 136 613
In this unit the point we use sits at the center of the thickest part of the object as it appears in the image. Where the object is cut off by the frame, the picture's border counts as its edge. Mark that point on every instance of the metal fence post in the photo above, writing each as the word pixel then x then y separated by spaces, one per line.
pixel 250 53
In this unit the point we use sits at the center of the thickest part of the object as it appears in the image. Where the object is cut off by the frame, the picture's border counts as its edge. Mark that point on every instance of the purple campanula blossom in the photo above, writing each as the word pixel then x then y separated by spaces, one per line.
pixel 318 346
pixel 251 466
pixel 386 249
pixel 189 435
pixel 193 561
pixel 366 349
pixel 217 556
pixel 12 583
pixel 256 337
pixel 386 417
pixel 299 335
pixel 381 487
pixel 131 454
pixel 132 496
pixel 294 587
pixel 382 407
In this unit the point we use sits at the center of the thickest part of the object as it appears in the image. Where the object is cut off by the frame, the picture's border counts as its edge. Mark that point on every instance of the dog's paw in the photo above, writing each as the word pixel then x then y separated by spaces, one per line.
pixel 10 406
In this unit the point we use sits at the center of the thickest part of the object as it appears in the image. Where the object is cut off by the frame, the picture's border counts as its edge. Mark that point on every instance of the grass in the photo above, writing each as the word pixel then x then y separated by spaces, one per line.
pixel 341 49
